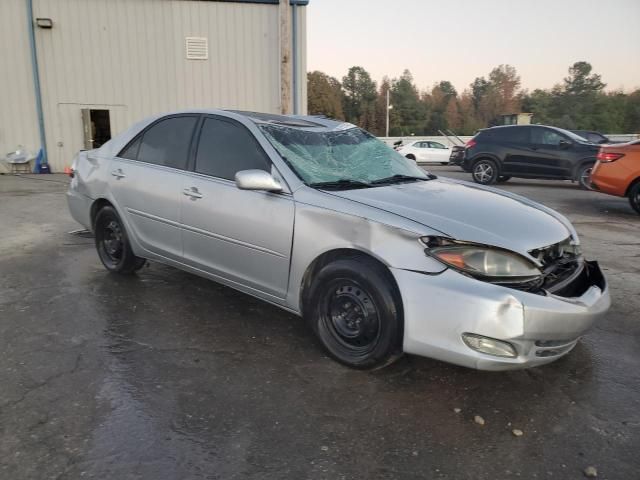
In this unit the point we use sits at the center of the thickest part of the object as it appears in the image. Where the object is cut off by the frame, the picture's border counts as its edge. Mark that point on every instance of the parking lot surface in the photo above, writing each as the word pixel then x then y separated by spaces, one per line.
pixel 165 375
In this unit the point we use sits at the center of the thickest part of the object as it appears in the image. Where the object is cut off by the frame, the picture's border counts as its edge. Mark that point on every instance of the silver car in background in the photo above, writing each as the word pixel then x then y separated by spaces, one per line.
pixel 322 219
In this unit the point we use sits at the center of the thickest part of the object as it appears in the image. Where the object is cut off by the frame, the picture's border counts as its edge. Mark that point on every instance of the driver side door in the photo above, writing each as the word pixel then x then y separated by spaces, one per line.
pixel 551 152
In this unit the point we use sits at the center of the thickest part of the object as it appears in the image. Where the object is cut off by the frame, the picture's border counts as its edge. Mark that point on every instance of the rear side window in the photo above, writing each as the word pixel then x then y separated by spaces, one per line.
pixel 509 134
pixel 131 152
pixel 166 142
pixel 227 147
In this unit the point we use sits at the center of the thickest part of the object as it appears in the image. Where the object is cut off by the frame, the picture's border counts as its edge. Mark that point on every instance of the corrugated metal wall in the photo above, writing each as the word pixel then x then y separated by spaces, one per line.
pixel 128 56
pixel 18 119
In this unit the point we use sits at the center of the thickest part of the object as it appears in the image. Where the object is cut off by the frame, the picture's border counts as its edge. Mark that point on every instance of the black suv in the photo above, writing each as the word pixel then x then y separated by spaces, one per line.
pixel 528 151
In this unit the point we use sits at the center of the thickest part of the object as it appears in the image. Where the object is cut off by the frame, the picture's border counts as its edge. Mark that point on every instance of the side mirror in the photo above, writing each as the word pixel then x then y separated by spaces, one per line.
pixel 564 144
pixel 257 180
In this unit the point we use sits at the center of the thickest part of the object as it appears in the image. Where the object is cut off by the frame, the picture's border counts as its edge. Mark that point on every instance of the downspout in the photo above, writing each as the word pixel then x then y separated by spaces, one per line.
pixel 294 41
pixel 36 80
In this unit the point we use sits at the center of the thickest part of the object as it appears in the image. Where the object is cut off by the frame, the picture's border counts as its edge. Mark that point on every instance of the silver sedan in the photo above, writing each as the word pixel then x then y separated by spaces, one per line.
pixel 322 219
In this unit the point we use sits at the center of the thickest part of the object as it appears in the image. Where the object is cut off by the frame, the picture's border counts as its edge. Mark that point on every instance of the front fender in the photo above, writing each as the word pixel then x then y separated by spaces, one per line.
pixel 320 230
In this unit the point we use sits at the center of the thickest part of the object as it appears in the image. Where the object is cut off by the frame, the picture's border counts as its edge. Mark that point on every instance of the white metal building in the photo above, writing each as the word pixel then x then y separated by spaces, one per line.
pixel 103 64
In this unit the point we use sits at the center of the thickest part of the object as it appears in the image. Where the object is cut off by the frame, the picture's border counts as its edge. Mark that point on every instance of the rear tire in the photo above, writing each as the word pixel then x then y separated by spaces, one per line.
pixel 584 176
pixel 485 172
pixel 444 163
pixel 634 197
pixel 355 311
pixel 411 157
pixel 112 243
pixel 504 178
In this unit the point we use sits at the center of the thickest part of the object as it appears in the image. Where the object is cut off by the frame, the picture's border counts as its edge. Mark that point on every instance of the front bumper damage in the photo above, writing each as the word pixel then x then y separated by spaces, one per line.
pixel 439 308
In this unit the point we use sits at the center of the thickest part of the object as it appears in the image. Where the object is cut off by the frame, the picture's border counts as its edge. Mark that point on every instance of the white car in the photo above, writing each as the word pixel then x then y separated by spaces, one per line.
pixel 426 151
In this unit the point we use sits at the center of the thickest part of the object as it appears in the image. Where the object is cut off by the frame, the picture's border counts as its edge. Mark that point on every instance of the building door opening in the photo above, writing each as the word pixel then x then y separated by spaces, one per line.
pixel 97 127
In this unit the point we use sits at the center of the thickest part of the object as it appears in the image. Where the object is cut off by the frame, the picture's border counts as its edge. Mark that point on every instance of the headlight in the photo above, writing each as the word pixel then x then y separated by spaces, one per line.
pixel 481 260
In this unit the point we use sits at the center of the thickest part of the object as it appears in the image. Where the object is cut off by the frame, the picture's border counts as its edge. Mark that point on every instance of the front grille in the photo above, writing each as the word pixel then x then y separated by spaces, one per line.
pixel 552 348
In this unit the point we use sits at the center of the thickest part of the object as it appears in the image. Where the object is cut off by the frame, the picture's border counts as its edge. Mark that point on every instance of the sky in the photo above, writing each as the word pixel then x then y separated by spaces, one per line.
pixel 458 40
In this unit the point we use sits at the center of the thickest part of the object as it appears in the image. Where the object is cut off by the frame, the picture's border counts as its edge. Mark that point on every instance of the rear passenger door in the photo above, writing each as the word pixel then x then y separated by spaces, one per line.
pixel 518 155
pixel 241 236
pixel 421 151
pixel 146 182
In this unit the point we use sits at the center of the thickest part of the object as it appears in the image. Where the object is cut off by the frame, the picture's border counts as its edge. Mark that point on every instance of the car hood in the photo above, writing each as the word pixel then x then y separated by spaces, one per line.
pixel 468 212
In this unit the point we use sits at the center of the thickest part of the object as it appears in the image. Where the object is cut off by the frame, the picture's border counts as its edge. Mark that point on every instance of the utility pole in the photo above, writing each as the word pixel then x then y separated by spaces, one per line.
pixel 389 107
pixel 286 67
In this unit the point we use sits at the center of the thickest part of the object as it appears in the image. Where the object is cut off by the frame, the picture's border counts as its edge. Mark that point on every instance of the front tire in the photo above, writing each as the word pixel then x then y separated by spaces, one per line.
pixel 504 178
pixel 485 172
pixel 355 311
pixel 112 243
pixel 634 197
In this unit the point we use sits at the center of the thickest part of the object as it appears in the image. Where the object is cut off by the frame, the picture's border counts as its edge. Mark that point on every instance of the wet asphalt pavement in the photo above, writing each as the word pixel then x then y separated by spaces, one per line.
pixel 165 375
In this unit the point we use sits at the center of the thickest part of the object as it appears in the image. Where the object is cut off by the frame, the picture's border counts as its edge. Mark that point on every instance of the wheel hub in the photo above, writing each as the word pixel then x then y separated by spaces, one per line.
pixel 113 239
pixel 483 172
pixel 353 316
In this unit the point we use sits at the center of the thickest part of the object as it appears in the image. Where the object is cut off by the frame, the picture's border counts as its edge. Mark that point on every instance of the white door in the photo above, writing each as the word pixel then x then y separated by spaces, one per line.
pixel 69 133
pixel 437 152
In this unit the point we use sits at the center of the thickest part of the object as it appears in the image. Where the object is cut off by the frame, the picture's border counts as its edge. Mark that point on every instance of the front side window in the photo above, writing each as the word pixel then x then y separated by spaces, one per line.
pixel 339 155
pixel 167 142
pixel 542 136
pixel 437 145
pixel 226 147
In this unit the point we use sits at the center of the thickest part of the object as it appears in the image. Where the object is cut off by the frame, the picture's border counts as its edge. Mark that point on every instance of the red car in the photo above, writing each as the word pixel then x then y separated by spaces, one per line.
pixel 617 171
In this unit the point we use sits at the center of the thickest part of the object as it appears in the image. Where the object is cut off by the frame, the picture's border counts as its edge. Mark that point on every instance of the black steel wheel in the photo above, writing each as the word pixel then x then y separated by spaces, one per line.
pixel 354 310
pixel 634 197
pixel 485 172
pixel 112 243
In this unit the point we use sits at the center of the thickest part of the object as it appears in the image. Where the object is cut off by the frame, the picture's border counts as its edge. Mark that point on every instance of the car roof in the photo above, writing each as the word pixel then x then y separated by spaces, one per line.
pixel 302 122
pixel 315 122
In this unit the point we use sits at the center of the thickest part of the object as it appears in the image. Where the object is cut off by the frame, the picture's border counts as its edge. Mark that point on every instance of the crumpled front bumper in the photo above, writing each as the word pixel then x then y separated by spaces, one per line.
pixel 439 308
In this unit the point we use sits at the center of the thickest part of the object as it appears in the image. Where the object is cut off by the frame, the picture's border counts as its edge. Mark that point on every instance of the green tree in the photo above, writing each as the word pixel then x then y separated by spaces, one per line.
pixel 479 89
pixel 408 114
pixel 359 102
pixel 324 95
pixel 632 113
pixel 581 81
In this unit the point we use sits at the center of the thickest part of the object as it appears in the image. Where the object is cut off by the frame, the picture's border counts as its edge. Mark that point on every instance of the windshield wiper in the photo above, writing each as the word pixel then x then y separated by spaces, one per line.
pixel 342 184
pixel 399 179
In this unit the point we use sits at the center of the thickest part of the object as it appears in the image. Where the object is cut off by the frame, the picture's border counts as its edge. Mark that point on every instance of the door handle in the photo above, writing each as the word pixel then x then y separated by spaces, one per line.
pixel 118 173
pixel 192 192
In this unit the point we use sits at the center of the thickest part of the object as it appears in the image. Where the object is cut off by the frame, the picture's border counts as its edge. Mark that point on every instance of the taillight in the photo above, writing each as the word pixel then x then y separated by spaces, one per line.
pixel 608 157
pixel 470 144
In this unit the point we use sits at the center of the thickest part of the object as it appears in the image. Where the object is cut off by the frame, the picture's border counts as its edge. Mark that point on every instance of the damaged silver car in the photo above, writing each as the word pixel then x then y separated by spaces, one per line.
pixel 322 219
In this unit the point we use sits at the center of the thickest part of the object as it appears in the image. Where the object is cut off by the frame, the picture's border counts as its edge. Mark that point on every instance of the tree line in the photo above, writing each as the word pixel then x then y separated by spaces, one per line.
pixel 578 102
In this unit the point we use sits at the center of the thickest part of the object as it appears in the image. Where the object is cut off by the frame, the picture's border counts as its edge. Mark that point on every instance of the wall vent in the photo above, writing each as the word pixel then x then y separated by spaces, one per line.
pixel 197 48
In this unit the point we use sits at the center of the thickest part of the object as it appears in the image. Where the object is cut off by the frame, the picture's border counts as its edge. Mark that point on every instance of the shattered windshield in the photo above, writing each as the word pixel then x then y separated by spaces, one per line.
pixel 349 157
